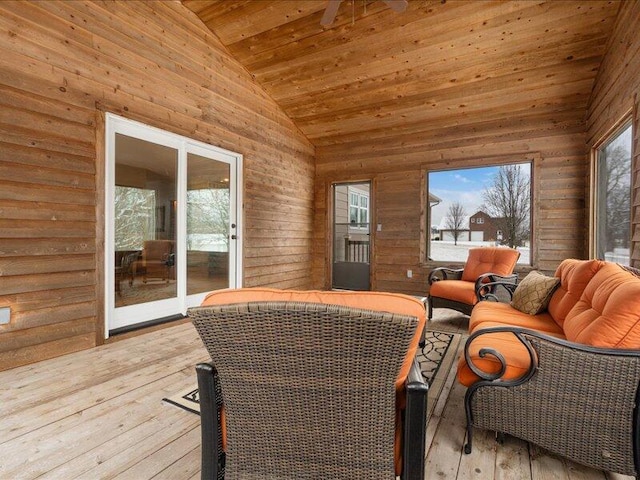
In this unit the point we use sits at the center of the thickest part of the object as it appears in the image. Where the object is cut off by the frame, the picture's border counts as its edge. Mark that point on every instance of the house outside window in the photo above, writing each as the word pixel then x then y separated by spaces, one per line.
pixel 358 208
pixel 612 196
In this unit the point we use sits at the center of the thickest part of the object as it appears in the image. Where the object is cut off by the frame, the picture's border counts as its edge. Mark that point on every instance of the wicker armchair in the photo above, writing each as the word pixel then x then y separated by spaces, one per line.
pixel 460 289
pixel 577 401
pixel 309 392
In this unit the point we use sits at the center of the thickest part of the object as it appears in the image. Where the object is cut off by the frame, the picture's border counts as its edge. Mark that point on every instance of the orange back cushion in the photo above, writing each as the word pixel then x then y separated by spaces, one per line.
pixel 574 276
pixel 608 312
pixel 489 260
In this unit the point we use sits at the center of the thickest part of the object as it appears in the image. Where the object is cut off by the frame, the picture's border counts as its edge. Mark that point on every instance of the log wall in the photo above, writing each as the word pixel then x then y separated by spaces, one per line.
pixel 616 94
pixel 63 65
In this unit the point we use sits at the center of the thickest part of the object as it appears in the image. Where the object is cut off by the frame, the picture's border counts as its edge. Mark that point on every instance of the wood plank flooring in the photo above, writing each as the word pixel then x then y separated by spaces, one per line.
pixel 98 414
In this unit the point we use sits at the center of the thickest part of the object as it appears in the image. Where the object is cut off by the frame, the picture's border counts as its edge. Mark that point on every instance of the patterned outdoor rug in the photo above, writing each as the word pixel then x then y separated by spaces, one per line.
pixel 435 359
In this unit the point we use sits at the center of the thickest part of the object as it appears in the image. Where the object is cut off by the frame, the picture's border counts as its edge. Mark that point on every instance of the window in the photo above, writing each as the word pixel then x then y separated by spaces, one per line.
pixel 358 209
pixel 612 212
pixel 497 197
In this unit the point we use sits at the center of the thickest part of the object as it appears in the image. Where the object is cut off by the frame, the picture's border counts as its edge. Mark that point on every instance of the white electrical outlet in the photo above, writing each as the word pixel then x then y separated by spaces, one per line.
pixel 409 273
pixel 379 227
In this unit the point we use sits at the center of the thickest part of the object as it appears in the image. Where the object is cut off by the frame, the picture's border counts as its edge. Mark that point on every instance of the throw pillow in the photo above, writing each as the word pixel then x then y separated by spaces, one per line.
pixel 533 293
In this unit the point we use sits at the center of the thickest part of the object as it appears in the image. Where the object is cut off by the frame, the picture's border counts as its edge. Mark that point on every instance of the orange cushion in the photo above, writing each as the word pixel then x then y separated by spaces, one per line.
pixel 502 314
pixel 574 276
pixel 608 313
pixel 457 290
pixel 498 260
pixel 516 357
pixel 515 354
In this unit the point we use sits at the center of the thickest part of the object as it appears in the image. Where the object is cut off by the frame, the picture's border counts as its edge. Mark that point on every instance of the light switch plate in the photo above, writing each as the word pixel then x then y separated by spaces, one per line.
pixel 5 315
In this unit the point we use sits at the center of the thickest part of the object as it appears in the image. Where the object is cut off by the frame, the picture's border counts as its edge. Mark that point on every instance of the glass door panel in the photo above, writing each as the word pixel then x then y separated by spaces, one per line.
pixel 208 224
pixel 144 221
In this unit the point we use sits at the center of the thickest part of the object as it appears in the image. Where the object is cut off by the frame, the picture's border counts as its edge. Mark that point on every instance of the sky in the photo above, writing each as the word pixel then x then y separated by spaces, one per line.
pixel 462 185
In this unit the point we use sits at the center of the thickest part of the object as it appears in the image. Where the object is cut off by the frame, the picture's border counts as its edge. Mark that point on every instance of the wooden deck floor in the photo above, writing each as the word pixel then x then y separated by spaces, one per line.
pixel 99 414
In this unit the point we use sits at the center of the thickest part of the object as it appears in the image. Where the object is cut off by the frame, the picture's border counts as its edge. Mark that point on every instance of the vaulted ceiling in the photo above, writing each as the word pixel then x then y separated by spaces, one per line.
pixel 378 72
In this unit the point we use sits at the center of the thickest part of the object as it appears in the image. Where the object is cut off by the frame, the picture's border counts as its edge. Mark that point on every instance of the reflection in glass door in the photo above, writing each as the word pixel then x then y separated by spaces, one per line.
pixel 208 224
pixel 172 226
pixel 144 221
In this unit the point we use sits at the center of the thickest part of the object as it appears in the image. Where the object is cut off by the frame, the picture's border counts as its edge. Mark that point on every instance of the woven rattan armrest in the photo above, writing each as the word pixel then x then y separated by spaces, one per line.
pixel 489 285
pixel 444 273
pixel 575 400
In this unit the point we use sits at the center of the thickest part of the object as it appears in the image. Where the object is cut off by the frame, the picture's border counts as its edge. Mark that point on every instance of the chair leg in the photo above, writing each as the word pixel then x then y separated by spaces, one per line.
pixel 210 428
pixel 423 342
pixel 467 408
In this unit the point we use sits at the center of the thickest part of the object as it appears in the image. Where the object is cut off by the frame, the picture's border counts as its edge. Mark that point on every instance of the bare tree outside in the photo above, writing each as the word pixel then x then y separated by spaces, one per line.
pixel 135 217
pixel 208 217
pixel 456 216
pixel 508 201
pixel 614 198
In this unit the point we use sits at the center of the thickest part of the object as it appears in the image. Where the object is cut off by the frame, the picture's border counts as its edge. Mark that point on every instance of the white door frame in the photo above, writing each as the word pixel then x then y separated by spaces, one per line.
pixel 117 318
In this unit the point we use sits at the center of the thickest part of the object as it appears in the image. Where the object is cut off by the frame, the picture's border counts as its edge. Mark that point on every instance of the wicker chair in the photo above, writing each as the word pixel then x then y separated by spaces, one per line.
pixel 309 392
pixel 460 289
pixel 577 401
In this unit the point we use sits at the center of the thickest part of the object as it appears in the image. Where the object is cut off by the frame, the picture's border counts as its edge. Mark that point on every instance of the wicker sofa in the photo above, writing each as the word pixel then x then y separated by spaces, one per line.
pixel 567 378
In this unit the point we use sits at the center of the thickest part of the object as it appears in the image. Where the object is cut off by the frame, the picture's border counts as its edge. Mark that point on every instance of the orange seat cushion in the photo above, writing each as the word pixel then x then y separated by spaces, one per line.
pixel 574 276
pixel 516 356
pixel 456 290
pixel 503 314
pixel 498 260
pixel 608 312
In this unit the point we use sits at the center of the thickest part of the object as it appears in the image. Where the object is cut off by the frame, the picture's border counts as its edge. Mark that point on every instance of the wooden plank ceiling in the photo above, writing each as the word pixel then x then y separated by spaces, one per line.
pixel 375 72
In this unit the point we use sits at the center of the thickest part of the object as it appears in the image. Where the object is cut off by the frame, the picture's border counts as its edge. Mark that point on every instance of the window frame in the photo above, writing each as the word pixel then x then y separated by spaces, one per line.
pixel 359 195
pixel 534 158
pixel 614 132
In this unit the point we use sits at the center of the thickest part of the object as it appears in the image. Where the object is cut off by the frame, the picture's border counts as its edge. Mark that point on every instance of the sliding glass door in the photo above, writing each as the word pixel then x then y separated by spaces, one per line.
pixel 171 223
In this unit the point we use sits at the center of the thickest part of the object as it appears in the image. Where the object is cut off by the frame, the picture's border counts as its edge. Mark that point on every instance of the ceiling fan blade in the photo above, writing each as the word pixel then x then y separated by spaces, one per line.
pixel 330 12
pixel 397 5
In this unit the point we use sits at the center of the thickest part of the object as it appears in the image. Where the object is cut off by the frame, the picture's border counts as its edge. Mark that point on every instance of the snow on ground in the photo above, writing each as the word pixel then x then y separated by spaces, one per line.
pixel 446 251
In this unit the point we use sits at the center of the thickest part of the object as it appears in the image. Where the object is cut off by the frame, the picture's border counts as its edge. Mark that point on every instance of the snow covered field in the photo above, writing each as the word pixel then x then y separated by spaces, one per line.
pixel 446 251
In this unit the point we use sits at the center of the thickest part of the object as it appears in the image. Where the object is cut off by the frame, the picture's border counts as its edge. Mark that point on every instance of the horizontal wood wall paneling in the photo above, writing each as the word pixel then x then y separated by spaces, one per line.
pixel 62 63
pixel 46 333
pixel 456 137
pixel 49 281
pixel 509 99
pixel 37 157
pixel 132 68
pixel 45 246
pixel 618 74
pixel 467 129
